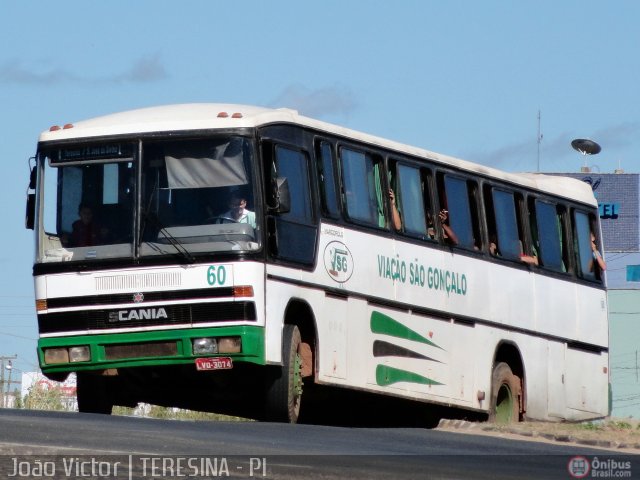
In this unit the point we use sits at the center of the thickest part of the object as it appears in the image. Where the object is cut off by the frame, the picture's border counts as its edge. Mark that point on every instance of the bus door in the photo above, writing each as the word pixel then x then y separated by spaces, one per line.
pixel 291 232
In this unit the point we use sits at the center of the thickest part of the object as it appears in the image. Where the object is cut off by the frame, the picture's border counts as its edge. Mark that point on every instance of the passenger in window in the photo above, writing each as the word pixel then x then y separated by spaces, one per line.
pixel 238 211
pixel 396 220
pixel 529 259
pixel 431 229
pixel 85 231
pixel 493 245
pixel 525 257
pixel 448 234
pixel 597 258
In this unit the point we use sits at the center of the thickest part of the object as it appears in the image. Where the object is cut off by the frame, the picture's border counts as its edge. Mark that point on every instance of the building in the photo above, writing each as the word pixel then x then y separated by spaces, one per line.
pixel 36 382
pixel 618 196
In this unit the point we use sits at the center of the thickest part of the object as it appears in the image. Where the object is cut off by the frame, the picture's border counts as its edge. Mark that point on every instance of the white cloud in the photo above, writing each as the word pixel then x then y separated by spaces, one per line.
pixel 317 103
pixel 145 70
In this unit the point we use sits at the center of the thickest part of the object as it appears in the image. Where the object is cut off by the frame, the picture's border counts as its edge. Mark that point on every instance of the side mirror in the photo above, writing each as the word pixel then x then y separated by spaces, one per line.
pixel 31 211
pixel 30 216
pixel 32 178
pixel 282 195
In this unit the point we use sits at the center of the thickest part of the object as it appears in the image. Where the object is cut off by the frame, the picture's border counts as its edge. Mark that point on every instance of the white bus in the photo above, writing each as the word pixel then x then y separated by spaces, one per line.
pixel 227 258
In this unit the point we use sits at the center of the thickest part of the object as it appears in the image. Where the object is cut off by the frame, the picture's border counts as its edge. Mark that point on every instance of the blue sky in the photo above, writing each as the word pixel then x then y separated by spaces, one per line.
pixel 464 78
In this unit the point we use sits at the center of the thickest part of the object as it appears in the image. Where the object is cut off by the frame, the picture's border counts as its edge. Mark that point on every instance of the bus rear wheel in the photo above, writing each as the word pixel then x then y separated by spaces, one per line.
pixel 93 394
pixel 284 384
pixel 506 393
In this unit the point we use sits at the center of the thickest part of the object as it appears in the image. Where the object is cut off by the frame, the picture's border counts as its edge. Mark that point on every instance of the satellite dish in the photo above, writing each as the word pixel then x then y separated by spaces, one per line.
pixel 586 146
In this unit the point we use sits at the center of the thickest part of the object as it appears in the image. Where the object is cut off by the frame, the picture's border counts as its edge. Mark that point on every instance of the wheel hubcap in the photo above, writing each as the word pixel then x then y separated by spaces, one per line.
pixel 297 376
pixel 504 405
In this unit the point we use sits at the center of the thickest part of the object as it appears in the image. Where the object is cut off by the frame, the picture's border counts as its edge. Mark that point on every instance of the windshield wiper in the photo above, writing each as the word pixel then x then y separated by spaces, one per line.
pixel 175 243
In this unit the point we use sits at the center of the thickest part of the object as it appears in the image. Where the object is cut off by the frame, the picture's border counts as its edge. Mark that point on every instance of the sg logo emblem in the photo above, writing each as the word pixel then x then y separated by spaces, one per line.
pixel 338 261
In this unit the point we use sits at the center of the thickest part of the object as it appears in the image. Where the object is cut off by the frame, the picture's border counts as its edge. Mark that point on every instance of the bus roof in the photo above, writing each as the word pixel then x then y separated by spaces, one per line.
pixel 207 116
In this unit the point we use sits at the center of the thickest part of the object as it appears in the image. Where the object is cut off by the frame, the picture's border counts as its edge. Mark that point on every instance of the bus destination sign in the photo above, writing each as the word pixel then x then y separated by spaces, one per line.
pixel 89 153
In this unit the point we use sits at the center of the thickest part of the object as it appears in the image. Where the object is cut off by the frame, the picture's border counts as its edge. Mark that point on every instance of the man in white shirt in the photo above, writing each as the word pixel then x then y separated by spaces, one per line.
pixel 238 212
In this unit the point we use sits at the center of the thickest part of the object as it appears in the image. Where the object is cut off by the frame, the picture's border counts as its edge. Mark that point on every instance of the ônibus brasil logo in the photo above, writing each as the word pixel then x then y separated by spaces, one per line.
pixel 579 467
pixel 338 261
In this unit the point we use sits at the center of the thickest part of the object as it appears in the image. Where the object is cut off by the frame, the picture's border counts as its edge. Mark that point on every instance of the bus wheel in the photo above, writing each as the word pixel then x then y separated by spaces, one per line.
pixel 284 385
pixel 506 393
pixel 93 394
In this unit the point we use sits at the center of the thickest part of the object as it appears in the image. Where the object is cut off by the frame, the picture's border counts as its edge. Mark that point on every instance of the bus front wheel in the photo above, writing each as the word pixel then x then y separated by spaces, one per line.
pixel 93 394
pixel 284 384
pixel 506 393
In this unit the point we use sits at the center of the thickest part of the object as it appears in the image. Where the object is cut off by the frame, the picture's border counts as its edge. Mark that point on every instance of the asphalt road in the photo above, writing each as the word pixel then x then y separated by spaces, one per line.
pixel 74 444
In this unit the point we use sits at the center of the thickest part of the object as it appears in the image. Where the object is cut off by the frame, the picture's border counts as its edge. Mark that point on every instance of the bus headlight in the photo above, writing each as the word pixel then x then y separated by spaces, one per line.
pixel 79 354
pixel 204 346
pixel 67 355
pixel 229 345
pixel 217 345
pixel 56 355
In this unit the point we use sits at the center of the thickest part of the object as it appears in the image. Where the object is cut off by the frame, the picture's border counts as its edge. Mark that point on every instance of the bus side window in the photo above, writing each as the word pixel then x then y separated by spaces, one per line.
pixel 363 197
pixel 503 222
pixel 292 165
pixel 459 198
pixel 327 180
pixel 561 218
pixel 584 227
pixel 534 247
pixel 410 185
pixel 474 211
pixel 551 235
pixel 296 230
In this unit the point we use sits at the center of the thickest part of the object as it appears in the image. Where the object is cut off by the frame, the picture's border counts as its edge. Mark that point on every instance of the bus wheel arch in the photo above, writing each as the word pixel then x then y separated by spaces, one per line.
pixel 300 314
pixel 507 400
pixel 285 383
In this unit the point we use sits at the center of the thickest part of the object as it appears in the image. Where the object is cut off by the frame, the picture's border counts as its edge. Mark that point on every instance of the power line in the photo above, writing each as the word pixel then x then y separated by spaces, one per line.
pixel 17 336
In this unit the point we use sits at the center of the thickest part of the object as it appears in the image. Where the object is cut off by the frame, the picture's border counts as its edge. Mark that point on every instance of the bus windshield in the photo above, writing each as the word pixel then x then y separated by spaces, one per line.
pixel 196 197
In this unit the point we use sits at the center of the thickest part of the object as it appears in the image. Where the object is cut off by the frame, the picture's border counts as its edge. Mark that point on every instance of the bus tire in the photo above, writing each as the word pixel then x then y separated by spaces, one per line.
pixel 506 393
pixel 284 384
pixel 92 394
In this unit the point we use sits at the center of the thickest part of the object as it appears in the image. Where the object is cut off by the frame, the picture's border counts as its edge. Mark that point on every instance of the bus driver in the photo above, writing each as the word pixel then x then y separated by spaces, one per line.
pixel 238 211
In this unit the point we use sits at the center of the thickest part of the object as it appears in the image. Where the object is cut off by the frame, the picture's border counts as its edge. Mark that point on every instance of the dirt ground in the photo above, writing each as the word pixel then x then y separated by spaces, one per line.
pixel 622 435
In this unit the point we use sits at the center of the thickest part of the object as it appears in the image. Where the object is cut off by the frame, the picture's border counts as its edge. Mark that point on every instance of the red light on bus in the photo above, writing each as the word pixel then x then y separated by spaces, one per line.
pixel 236 115
pixel 67 126
pixel 223 115
pixel 54 128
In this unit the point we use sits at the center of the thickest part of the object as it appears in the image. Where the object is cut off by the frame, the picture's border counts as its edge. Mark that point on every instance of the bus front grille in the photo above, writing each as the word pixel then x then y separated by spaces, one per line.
pixel 141 350
pixel 141 316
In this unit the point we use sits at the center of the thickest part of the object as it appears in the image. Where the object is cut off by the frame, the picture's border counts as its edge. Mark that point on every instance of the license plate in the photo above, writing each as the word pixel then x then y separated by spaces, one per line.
pixel 218 363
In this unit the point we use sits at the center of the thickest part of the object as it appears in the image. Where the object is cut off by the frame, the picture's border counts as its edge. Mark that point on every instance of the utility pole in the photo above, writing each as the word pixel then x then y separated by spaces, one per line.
pixel 4 359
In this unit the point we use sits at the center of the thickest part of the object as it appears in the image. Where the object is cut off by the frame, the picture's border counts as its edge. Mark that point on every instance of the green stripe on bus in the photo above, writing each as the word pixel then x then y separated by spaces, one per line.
pixel 381 323
pixel 386 375
pixel 253 347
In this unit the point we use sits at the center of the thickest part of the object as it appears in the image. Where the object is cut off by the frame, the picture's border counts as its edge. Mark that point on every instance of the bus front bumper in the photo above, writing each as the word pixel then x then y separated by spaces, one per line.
pixel 156 348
